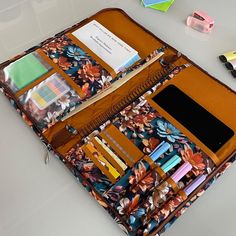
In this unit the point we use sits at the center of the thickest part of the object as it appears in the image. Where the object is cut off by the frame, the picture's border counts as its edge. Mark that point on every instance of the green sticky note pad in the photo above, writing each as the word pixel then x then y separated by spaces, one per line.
pixel 162 6
pixel 25 70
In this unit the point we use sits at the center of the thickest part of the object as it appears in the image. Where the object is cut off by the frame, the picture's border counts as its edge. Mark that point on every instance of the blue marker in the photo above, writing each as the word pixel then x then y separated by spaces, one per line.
pixel 159 150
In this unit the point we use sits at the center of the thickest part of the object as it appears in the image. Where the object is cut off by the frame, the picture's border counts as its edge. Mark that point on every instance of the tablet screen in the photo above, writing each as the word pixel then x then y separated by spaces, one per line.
pixel 201 123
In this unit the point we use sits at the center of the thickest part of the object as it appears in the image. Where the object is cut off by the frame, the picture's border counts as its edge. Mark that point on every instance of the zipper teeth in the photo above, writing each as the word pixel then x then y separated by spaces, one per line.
pixel 134 94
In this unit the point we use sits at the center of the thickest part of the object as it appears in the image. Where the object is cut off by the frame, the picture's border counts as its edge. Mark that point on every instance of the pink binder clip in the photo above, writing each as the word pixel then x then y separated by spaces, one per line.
pixel 200 21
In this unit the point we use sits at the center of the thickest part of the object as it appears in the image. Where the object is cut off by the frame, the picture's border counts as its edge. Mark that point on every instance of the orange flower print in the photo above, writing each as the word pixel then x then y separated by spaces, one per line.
pixel 195 159
pixel 138 174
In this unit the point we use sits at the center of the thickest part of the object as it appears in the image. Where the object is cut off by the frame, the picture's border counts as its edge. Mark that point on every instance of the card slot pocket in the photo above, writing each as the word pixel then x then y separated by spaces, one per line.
pixel 49 100
pixel 141 40
pixel 92 54
pixel 113 74
pixel 105 38
pixel 109 155
pixel 60 71
pixel 101 162
pixel 123 146
pixel 25 72
pixel 35 83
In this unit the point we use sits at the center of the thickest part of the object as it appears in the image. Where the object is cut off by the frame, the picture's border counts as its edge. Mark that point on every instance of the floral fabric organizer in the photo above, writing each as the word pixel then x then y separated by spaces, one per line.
pixel 138 162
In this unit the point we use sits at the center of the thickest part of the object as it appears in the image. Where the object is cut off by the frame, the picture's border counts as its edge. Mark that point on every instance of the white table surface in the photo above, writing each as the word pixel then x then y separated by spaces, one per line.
pixel 40 200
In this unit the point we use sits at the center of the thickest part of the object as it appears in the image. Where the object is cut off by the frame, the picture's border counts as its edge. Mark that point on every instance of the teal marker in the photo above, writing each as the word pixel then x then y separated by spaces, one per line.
pixel 175 160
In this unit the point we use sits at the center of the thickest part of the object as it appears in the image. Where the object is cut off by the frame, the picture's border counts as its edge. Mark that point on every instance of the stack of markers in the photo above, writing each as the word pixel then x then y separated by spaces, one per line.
pixel 156 185
pixel 161 5
pixel 229 58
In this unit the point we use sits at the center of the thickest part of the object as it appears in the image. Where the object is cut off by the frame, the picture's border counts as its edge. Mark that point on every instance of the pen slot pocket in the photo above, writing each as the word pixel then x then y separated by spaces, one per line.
pixel 161 194
pixel 161 211
pixel 122 188
pixel 169 206
pixel 101 162
pixel 149 181
pixel 123 146
pixel 50 100
pixel 23 73
pixel 169 164
pixel 158 193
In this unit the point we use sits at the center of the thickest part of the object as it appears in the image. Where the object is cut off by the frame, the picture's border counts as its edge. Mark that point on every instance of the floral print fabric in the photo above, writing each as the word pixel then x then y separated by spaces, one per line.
pixel 45 118
pixel 90 76
pixel 75 152
pixel 144 132
pixel 146 128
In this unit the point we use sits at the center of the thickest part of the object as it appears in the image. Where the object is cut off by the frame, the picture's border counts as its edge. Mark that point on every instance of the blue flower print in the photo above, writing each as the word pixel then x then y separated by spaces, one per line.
pixel 168 131
pixel 76 53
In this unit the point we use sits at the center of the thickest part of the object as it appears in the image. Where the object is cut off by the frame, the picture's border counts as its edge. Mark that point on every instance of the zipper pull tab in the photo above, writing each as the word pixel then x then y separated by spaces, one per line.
pixel 47 157
pixel 63 136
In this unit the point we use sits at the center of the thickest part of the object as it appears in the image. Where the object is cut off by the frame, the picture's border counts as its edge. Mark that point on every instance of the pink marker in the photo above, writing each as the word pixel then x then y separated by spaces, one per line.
pixel 181 172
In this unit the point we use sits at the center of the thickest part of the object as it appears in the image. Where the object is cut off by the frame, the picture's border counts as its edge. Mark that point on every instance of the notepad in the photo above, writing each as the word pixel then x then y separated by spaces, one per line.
pixel 106 45
pixel 49 91
pixel 25 70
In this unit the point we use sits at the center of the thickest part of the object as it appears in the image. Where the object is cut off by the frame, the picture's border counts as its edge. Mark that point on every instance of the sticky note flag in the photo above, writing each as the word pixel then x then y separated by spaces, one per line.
pixel 162 6
pixel 147 3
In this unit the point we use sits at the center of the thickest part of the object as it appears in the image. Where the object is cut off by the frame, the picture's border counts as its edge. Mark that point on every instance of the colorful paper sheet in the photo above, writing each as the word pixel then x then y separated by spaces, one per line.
pixel 162 6
pixel 25 71
pixel 148 3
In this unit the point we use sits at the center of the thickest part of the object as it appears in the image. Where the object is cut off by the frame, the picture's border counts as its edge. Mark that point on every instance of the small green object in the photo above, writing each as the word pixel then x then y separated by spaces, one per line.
pixel 162 6
pixel 25 70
